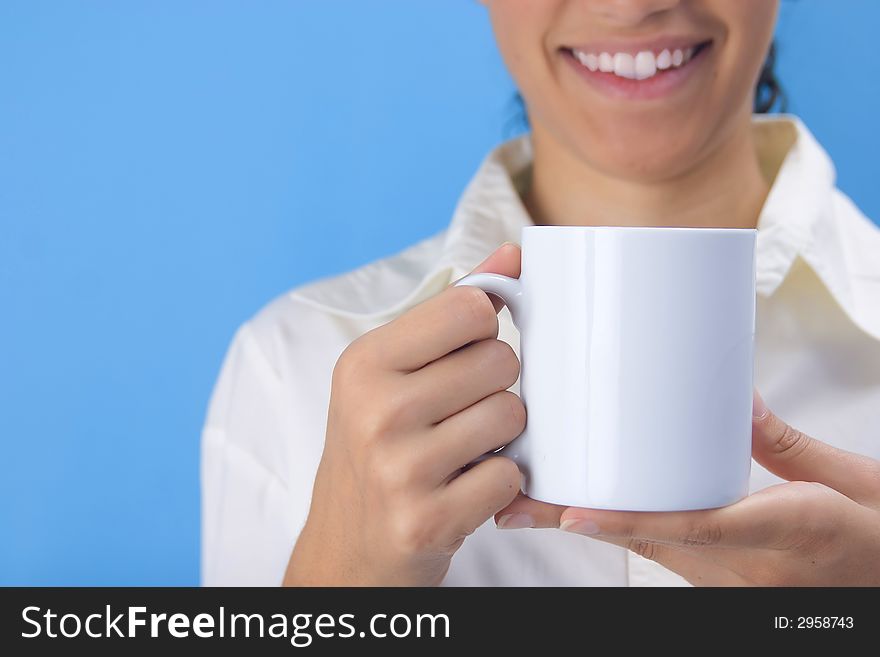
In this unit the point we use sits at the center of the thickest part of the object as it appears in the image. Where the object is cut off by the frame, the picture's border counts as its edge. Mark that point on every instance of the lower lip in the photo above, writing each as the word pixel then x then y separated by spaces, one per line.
pixel 659 86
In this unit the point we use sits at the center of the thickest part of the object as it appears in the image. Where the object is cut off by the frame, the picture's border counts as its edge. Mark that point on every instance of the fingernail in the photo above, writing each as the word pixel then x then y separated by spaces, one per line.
pixel 515 521
pixel 577 526
pixel 759 408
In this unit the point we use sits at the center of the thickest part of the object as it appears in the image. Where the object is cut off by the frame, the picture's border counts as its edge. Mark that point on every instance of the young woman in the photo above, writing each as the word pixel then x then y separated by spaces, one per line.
pixel 335 440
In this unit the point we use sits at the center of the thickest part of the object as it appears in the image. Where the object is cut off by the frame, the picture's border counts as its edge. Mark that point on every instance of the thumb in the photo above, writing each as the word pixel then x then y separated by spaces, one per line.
pixel 504 260
pixel 795 456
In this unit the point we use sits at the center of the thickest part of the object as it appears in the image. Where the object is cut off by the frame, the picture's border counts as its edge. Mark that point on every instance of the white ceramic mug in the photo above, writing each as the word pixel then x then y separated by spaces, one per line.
pixel 637 349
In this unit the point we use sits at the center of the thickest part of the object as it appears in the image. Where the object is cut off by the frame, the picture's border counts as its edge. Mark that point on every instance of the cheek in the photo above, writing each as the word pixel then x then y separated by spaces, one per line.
pixel 520 28
pixel 750 30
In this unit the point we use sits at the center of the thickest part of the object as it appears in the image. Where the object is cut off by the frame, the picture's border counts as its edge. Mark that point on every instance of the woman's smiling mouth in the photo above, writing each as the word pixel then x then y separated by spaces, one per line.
pixel 645 71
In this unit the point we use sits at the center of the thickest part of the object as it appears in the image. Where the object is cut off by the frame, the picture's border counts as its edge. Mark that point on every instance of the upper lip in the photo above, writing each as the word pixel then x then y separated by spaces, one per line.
pixel 634 47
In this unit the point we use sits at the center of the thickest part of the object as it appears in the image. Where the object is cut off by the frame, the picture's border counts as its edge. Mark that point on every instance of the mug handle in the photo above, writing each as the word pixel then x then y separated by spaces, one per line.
pixel 509 290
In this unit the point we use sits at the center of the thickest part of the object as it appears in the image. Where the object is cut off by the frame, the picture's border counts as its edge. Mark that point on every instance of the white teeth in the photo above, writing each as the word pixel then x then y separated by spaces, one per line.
pixel 624 65
pixel 642 66
pixel 593 62
pixel 645 65
pixel 589 60
pixel 664 60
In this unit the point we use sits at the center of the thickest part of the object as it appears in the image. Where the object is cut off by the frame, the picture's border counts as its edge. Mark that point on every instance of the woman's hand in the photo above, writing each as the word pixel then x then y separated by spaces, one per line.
pixel 820 529
pixel 412 402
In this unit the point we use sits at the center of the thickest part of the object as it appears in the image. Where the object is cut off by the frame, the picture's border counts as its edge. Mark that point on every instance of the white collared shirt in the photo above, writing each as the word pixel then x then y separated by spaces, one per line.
pixel 817 365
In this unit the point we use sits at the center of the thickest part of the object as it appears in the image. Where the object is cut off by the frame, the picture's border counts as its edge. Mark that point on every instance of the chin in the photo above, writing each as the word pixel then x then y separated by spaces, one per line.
pixel 639 157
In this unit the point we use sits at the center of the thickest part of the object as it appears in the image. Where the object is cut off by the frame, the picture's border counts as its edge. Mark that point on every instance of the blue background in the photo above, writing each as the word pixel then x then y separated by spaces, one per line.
pixel 167 167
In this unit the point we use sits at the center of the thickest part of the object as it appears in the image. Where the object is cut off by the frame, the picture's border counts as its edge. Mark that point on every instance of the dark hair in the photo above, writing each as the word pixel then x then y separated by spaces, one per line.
pixel 769 92
pixel 769 95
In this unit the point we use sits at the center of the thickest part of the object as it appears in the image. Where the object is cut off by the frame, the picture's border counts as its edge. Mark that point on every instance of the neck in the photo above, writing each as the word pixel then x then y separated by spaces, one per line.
pixel 725 190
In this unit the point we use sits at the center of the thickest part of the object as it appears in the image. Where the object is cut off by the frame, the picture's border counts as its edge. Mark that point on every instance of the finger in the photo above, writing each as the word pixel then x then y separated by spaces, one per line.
pixel 480 428
pixel 687 562
pixel 462 378
pixel 479 492
pixel 793 455
pixel 526 512
pixel 766 519
pixel 506 260
pixel 430 330
pixel 448 320
pixel 699 570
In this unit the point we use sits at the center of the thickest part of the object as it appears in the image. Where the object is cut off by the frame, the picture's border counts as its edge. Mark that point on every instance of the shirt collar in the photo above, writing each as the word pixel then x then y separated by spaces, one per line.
pixel 796 220
pixel 805 216
pixel 489 212
pixel 800 197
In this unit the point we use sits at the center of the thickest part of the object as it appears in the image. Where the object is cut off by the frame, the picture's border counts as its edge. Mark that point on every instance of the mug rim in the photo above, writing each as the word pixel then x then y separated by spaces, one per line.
pixel 644 228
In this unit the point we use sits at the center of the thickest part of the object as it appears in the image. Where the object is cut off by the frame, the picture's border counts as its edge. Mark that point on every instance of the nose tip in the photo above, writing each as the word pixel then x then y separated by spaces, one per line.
pixel 630 12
